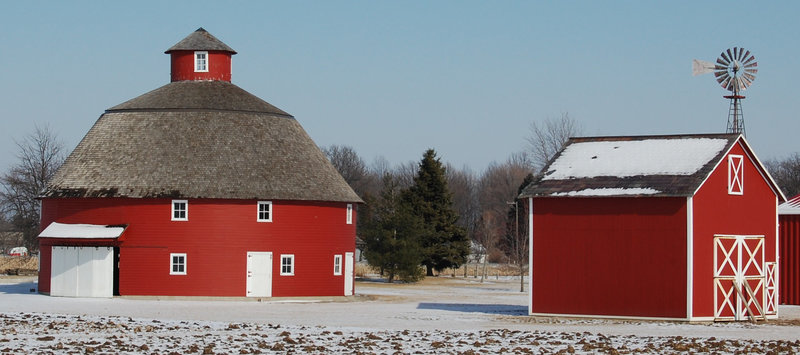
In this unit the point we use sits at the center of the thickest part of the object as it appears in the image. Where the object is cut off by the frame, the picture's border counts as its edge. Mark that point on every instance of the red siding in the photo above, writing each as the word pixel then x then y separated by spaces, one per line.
pixel 216 239
pixel 789 262
pixel 182 66
pixel 610 256
pixel 717 212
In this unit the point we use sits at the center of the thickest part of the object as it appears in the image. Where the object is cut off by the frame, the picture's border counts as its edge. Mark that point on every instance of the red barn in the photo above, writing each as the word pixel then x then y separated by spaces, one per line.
pixel 789 261
pixel 662 227
pixel 197 188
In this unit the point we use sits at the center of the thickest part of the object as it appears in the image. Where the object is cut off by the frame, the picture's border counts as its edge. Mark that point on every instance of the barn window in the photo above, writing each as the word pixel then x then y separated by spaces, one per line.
pixel 337 264
pixel 349 213
pixel 180 210
pixel 201 61
pixel 264 211
pixel 735 174
pixel 177 264
pixel 287 264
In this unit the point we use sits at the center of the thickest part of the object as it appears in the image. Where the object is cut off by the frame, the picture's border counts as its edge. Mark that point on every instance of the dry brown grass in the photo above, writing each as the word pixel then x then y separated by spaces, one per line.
pixel 14 265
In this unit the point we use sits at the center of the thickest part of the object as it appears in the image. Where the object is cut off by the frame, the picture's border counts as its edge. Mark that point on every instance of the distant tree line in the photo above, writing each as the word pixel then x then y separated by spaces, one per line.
pixel 786 173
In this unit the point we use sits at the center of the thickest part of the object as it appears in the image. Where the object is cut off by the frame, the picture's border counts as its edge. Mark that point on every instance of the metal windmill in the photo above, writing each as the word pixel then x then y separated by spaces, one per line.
pixel 735 70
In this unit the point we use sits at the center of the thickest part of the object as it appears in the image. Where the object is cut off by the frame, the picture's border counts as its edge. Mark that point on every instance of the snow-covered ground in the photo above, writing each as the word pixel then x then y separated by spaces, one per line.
pixel 438 315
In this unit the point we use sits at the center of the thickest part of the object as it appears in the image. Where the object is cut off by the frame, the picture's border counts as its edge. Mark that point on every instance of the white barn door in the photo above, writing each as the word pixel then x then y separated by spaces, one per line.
pixel 82 271
pixel 349 259
pixel 741 282
pixel 259 274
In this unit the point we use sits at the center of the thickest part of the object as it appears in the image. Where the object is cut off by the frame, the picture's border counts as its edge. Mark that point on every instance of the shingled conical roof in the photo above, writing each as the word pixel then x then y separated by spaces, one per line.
pixel 199 139
pixel 200 40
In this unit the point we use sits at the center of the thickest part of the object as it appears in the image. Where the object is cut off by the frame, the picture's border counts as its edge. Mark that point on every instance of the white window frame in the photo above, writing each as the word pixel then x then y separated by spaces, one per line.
pixel 291 265
pixel 349 219
pixel 197 68
pixel 337 264
pixel 735 175
pixel 258 211
pixel 172 263
pixel 185 210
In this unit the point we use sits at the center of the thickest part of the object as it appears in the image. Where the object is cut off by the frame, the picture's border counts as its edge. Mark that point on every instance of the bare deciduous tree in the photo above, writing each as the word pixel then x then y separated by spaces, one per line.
pixel 499 187
pixel 351 167
pixel 486 235
pixel 39 155
pixel 548 137
pixel 786 173
pixel 463 185
pixel 516 241
pixel 405 173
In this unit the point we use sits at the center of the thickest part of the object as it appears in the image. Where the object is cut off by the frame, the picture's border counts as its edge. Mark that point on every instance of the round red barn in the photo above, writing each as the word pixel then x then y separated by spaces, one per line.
pixel 197 188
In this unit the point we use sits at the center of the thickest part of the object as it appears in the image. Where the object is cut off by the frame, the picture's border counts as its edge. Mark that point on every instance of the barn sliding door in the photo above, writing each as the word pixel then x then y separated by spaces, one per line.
pixel 744 284
pixel 82 271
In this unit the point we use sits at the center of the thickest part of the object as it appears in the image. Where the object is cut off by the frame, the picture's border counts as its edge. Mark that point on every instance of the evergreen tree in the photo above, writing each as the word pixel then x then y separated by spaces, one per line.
pixel 391 236
pixel 444 244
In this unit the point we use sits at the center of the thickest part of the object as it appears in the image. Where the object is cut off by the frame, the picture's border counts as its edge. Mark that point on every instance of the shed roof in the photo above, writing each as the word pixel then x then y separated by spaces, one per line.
pixel 200 40
pixel 199 139
pixel 668 165
pixel 81 231
pixel 790 207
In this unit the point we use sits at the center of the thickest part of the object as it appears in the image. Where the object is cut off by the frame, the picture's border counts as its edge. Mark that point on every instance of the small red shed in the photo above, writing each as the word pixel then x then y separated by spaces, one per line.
pixel 197 188
pixel 789 261
pixel 680 227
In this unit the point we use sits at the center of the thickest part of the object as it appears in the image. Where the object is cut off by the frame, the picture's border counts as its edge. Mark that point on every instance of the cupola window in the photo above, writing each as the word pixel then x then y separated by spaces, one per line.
pixel 201 61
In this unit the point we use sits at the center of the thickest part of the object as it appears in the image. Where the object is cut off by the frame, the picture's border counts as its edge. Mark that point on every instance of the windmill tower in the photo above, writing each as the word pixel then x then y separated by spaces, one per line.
pixel 735 70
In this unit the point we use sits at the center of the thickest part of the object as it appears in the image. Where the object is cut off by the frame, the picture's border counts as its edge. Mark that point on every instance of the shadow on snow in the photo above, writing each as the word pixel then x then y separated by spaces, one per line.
pixel 18 288
pixel 500 309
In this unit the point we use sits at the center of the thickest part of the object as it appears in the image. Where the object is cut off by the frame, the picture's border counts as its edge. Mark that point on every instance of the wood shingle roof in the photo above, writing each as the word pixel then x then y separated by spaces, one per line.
pixel 200 40
pixel 199 139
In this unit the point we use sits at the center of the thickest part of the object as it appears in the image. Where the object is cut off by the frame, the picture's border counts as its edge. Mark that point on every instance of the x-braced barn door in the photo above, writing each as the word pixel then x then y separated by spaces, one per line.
pixel 744 285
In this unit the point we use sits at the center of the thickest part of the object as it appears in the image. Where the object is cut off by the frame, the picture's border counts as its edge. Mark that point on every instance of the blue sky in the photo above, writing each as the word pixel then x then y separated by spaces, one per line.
pixel 392 79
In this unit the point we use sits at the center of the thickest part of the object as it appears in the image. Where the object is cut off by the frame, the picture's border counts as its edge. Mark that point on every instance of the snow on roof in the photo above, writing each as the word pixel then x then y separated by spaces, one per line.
pixel 683 156
pixel 81 231
pixel 609 192
pixel 790 207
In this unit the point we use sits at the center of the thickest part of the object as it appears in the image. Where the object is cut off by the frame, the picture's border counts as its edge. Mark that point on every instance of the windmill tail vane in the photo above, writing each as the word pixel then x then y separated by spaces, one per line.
pixel 735 70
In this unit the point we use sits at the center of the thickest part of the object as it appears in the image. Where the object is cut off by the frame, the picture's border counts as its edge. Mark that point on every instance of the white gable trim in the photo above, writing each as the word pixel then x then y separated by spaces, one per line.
pixel 689 256
pixel 748 152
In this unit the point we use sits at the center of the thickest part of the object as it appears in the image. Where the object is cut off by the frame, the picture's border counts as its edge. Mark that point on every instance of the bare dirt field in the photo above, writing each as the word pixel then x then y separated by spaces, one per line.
pixel 437 315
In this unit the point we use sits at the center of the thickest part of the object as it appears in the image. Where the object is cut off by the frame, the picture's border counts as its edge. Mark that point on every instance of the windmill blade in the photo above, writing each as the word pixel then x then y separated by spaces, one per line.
pixel 735 53
pixel 749 77
pixel 730 55
pixel 750 59
pixel 721 75
pixel 722 62
pixel 702 67
pixel 724 83
pixel 746 82
pixel 738 84
pixel 751 65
